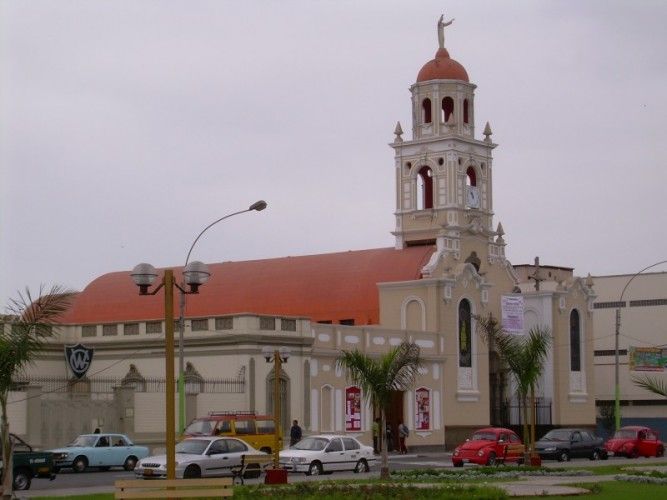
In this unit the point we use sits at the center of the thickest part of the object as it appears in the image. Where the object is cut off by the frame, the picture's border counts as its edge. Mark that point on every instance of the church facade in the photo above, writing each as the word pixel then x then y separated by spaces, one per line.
pixel 447 267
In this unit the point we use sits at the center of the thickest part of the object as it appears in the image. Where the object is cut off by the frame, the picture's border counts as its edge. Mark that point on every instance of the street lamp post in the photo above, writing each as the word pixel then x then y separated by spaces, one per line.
pixel 617 387
pixel 144 275
pixel 277 357
pixel 257 206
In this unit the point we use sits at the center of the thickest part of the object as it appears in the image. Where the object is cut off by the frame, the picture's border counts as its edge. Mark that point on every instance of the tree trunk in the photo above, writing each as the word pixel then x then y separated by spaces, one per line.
pixel 8 466
pixel 526 437
pixel 384 466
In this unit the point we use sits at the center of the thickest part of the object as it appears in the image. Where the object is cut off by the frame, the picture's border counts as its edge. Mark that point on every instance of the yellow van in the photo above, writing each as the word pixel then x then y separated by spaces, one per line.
pixel 256 430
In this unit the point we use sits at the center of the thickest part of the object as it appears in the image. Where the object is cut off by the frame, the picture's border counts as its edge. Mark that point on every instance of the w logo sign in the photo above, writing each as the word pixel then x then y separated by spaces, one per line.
pixel 78 359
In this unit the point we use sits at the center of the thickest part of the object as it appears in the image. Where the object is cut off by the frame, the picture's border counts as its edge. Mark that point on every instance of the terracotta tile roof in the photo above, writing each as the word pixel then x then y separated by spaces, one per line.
pixel 324 287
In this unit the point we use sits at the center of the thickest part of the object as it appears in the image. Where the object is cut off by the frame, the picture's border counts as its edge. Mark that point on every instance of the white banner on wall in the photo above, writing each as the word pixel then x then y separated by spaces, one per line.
pixel 512 313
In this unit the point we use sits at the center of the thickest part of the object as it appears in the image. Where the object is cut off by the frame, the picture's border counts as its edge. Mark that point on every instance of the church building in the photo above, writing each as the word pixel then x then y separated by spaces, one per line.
pixel 447 266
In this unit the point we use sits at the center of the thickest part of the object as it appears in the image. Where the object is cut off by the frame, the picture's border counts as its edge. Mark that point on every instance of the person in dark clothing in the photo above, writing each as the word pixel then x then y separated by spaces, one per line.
pixel 295 433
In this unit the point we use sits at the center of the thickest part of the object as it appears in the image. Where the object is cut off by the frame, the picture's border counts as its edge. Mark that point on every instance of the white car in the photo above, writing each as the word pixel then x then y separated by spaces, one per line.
pixel 206 456
pixel 327 452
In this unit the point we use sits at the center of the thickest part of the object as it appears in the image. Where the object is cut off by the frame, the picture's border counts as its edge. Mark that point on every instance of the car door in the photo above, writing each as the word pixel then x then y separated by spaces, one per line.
pixel 334 455
pixel 235 451
pixel 649 444
pixel 352 452
pixel 120 449
pixel 215 459
pixel 515 448
pixel 577 445
pixel 100 454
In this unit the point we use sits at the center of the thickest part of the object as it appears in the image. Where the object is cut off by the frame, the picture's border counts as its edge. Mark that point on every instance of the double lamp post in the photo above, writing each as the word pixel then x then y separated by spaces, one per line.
pixel 195 274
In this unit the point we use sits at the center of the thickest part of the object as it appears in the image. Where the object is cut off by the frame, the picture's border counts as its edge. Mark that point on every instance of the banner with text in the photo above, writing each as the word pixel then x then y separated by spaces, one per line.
pixel 512 313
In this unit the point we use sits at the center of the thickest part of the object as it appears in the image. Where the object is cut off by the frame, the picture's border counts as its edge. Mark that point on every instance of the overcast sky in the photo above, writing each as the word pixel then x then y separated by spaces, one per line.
pixel 127 127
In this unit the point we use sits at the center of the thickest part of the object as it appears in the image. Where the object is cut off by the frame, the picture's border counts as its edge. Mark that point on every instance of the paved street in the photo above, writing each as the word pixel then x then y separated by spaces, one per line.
pixel 68 483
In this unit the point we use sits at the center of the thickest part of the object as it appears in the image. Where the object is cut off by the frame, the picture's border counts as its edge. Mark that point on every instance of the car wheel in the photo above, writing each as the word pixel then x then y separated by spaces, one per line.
pixel 563 456
pixel 633 453
pixel 492 459
pixel 458 464
pixel 79 464
pixel 362 466
pixel 253 471
pixel 192 472
pixel 595 455
pixel 315 469
pixel 520 461
pixel 266 449
pixel 22 478
pixel 130 463
pixel 660 452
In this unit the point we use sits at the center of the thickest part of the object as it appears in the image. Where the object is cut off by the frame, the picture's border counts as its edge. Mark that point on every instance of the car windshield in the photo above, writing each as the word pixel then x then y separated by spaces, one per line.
pixel 192 446
pixel 557 435
pixel 84 441
pixel 625 434
pixel 483 436
pixel 311 444
pixel 199 427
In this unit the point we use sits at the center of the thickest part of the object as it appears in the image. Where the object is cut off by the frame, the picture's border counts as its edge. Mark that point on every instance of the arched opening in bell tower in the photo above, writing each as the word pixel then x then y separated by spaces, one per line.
pixel 426 110
pixel 447 108
pixel 425 188
pixel 471 179
pixel 466 114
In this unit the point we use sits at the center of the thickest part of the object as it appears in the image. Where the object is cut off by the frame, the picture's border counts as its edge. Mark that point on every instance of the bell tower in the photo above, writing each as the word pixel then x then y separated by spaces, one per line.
pixel 443 174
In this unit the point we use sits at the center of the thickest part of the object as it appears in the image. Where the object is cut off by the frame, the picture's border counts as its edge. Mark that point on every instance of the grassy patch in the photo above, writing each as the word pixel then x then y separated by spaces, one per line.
pixel 612 490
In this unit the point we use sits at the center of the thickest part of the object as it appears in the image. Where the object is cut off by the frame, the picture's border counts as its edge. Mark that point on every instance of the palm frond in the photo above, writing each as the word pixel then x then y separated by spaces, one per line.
pixel 651 384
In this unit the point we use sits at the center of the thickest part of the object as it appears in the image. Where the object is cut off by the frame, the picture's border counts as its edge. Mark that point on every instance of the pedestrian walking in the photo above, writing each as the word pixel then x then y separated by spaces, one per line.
pixel 295 433
pixel 403 433
pixel 376 436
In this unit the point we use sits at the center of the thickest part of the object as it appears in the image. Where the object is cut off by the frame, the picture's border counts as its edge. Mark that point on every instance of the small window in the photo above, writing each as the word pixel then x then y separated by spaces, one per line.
pixel 265 426
pixel 119 441
pixel 103 442
pixel 335 445
pixel 426 110
pixel 425 188
pixel 325 322
pixel 89 330
pixel 575 342
pixel 244 426
pixel 131 329
pixel 199 325
pixel 514 438
pixel 350 444
pixel 288 325
pixel 236 446
pixel 154 327
pixel 223 427
pixel 224 323
pixel 348 322
pixel 472 177
pixel 109 330
pixel 218 447
pixel 267 323
pixel 466 114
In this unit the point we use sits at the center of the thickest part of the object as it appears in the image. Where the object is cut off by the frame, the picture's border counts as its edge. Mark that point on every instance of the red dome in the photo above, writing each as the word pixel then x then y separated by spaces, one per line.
pixel 442 68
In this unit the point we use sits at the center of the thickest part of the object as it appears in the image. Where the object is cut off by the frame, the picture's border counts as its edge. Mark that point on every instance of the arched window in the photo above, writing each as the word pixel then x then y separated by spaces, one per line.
pixel 426 110
pixel 425 188
pixel 472 177
pixel 447 108
pixel 575 342
pixel 466 115
pixel 465 334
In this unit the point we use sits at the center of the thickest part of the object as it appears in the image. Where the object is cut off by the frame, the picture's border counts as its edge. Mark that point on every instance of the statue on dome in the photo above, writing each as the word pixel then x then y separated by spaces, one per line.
pixel 441 30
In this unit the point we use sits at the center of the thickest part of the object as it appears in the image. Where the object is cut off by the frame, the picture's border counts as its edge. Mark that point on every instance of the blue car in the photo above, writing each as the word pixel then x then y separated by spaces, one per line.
pixel 102 451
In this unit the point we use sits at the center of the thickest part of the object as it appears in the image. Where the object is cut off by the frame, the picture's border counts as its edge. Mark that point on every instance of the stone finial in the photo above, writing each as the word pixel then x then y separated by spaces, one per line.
pixel 500 231
pixel 487 133
pixel 398 131
pixel 589 281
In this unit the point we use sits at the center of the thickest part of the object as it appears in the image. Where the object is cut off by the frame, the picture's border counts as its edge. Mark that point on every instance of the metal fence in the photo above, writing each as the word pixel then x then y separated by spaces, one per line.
pixel 107 385
pixel 511 413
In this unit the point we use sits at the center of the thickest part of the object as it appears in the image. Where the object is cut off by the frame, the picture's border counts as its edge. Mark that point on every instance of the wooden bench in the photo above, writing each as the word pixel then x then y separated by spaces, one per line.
pixel 251 466
pixel 174 488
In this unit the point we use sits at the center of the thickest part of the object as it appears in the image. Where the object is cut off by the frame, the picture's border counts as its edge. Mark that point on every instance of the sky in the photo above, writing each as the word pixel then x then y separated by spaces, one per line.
pixel 127 127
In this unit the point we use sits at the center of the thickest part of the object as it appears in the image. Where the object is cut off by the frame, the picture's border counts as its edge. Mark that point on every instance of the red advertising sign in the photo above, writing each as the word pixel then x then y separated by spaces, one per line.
pixel 353 409
pixel 423 406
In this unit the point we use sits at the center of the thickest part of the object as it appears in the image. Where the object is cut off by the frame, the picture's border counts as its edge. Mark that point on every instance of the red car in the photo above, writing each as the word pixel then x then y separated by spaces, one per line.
pixel 489 446
pixel 634 441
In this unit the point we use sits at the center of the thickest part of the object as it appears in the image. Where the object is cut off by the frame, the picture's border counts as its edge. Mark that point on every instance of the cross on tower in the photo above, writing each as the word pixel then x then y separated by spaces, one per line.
pixel 537 275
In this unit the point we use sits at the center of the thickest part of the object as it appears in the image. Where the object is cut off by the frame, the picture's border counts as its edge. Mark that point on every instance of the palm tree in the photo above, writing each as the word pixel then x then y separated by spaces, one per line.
pixel 30 325
pixel 651 384
pixel 524 356
pixel 378 378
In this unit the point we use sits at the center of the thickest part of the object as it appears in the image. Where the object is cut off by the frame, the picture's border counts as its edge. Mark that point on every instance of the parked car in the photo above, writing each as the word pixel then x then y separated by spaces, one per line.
pixel 198 457
pixel 103 451
pixel 488 446
pixel 256 430
pixel 634 441
pixel 563 444
pixel 29 463
pixel 327 452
